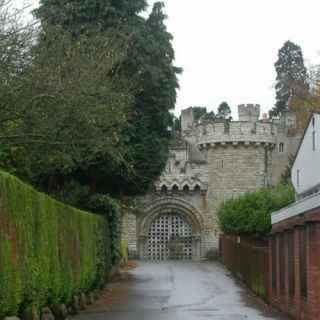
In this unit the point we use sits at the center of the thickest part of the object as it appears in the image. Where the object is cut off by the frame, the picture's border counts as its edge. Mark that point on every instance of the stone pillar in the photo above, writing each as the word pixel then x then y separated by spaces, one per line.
pixel 313 265
pixel 143 247
pixel 196 247
pixel 270 293
pixel 297 295
pixel 278 293
pixel 286 268
pixel 129 233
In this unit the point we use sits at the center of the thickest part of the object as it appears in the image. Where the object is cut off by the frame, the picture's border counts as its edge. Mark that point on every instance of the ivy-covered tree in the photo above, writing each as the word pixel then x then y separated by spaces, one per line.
pixel 224 111
pixel 292 76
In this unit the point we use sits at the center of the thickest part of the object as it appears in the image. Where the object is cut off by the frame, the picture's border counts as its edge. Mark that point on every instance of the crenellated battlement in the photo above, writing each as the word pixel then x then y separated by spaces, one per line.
pixel 210 134
pixel 249 112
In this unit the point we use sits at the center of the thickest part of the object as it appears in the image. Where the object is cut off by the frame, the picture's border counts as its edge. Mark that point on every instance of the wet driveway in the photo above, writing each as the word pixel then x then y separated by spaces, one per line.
pixel 180 291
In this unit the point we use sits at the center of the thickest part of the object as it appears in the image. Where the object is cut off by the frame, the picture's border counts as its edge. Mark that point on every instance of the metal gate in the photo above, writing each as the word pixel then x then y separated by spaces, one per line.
pixel 170 238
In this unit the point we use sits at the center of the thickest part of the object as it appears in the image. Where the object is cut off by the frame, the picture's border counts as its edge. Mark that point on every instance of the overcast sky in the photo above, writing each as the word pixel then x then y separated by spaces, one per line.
pixel 228 48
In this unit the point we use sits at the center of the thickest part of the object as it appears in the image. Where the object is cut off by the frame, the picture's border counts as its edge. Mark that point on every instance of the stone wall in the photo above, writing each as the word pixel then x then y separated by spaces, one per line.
pixel 285 149
pixel 129 233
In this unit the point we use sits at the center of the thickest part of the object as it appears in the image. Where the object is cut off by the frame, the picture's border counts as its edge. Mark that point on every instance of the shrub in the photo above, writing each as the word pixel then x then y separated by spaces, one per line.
pixel 250 214
pixel 48 251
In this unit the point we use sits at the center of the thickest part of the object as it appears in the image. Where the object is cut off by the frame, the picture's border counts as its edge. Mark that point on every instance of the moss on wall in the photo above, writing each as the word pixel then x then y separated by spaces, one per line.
pixel 48 251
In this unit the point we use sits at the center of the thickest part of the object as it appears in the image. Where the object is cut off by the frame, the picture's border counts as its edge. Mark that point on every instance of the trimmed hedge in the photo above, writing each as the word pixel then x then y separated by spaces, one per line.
pixel 48 251
pixel 250 214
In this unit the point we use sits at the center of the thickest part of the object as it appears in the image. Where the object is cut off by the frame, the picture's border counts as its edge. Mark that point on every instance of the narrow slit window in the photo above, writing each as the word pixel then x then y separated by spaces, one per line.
pixel 314 141
pixel 281 147
pixel 298 178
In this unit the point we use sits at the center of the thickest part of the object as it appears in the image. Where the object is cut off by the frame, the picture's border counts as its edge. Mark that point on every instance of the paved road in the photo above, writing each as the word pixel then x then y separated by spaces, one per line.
pixel 181 291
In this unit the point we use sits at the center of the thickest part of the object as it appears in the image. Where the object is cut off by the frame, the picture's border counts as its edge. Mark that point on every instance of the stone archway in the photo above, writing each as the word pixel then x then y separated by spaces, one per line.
pixel 167 222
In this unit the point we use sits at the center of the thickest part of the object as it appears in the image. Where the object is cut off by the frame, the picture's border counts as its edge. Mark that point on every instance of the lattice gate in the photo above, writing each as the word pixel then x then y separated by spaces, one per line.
pixel 170 238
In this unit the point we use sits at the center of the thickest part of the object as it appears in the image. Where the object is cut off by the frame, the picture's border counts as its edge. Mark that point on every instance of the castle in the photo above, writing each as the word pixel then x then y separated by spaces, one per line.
pixel 213 160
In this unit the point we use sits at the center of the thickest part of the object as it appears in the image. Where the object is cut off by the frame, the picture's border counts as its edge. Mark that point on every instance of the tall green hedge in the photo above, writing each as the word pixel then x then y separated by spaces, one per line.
pixel 250 214
pixel 48 251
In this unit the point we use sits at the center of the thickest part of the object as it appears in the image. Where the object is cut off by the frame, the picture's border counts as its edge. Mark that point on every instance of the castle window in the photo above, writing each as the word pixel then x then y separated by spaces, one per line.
pixel 197 188
pixel 175 188
pixel 164 189
pixel 281 147
pixel 186 189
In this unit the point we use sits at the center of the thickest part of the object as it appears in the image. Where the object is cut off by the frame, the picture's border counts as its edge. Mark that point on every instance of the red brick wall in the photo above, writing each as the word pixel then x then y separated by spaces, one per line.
pixel 296 242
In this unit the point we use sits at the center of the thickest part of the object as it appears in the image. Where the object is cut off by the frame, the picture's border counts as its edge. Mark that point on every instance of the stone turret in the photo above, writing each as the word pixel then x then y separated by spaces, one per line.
pixel 249 112
pixel 187 119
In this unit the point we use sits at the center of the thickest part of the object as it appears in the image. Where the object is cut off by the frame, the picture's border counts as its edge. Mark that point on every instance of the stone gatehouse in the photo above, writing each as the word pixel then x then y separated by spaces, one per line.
pixel 212 160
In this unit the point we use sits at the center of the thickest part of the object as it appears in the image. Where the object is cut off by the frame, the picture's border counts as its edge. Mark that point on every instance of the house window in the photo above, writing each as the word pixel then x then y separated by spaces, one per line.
pixel 281 147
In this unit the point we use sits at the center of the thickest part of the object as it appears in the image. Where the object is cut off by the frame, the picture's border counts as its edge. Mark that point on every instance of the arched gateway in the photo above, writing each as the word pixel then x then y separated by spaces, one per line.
pixel 170 229
pixel 211 161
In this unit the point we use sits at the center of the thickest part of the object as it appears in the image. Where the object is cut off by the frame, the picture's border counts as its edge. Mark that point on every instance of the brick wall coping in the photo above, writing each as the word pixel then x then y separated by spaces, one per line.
pixel 297 208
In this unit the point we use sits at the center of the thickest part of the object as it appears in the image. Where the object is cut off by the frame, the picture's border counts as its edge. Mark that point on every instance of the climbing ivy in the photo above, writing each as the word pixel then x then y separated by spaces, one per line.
pixel 112 211
pixel 48 251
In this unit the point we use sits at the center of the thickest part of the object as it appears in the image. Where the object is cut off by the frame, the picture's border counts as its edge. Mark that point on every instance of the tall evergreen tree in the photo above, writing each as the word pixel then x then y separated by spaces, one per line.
pixel 81 16
pixel 149 64
pixel 146 61
pixel 292 76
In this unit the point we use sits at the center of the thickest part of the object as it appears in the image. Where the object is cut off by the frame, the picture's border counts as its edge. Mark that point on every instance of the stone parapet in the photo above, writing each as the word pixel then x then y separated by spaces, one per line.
pixel 235 132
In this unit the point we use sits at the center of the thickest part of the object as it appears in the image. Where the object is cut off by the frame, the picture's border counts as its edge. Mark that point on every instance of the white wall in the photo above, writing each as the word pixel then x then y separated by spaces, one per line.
pixel 308 161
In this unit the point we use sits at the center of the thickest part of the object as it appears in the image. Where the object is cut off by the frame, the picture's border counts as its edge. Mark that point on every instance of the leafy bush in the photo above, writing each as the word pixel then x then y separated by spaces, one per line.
pixel 48 251
pixel 250 214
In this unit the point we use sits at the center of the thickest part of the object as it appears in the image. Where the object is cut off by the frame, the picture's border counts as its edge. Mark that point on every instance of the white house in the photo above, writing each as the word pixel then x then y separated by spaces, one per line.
pixel 306 167
pixel 305 175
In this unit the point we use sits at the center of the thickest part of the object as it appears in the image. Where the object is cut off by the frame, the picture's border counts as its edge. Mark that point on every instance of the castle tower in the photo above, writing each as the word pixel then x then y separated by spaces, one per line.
pixel 249 112
pixel 215 160
pixel 187 119
pixel 239 155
